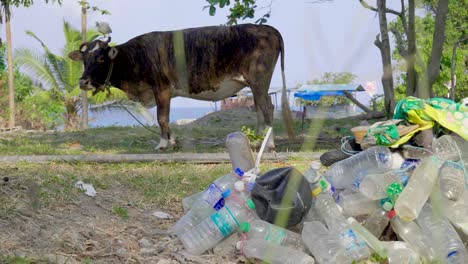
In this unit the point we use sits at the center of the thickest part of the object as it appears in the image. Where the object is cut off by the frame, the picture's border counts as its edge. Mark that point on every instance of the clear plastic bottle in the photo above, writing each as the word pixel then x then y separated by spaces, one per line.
pixel 446 240
pixel 457 213
pixel 219 225
pixel 355 248
pixel 259 229
pixel 274 254
pixel 214 191
pixel 452 180
pixel 355 203
pixel 446 148
pixel 240 153
pixel 350 171
pixel 400 253
pixel 200 210
pixel 313 214
pixel 415 194
pixel 377 222
pixel 374 186
pixel 415 153
pixel 412 234
pixel 324 246
pixel 372 241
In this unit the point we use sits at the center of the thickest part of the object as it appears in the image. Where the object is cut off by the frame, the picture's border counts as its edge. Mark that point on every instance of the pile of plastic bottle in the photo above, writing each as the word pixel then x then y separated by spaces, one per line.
pixel 419 195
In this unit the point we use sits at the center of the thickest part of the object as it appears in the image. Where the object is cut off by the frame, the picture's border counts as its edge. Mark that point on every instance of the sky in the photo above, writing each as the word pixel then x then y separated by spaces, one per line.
pixel 336 36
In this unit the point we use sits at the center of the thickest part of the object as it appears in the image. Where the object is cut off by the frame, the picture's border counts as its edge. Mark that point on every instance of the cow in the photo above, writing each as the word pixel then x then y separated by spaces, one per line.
pixel 206 63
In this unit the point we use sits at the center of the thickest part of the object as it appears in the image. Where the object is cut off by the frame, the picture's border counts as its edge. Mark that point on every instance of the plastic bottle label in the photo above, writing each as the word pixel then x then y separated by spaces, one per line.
pixel 275 235
pixel 219 204
pixel 225 221
pixel 350 240
pixel 213 195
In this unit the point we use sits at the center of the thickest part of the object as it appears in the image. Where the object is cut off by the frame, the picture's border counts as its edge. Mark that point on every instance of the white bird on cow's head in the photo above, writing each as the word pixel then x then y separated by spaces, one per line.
pixel 104 28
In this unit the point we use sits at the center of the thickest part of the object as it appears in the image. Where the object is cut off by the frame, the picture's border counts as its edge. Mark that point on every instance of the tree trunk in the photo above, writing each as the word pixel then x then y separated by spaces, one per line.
pixel 384 47
pixel 84 96
pixel 411 83
pixel 11 87
pixel 433 67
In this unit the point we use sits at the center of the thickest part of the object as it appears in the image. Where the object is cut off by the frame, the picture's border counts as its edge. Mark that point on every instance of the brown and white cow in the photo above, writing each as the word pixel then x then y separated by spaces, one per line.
pixel 207 63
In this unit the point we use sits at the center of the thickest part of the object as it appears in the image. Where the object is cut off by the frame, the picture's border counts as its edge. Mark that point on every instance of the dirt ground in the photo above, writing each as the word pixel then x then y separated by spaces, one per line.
pixel 87 231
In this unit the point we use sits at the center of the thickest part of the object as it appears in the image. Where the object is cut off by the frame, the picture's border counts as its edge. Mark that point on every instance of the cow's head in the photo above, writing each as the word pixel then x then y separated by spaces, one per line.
pixel 97 57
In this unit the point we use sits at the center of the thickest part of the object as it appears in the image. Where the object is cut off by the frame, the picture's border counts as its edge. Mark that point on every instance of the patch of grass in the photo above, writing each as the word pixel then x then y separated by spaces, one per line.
pixel 15 260
pixel 121 212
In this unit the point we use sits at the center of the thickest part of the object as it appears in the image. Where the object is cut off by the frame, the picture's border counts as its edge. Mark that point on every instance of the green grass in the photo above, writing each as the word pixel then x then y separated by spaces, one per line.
pixel 121 212
pixel 149 184
pixel 15 260
pixel 119 140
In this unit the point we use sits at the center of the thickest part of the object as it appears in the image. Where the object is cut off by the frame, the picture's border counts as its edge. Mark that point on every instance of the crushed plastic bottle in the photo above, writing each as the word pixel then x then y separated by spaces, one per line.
pixel 374 186
pixel 355 248
pixel 372 241
pixel 324 246
pixel 377 222
pixel 355 203
pixel 415 194
pixel 446 240
pixel 349 172
pixel 200 210
pixel 412 234
pixel 219 225
pixel 313 214
pixel 273 234
pixel 240 153
pixel 214 190
pixel 446 148
pixel 452 180
pixel 274 254
pixel 415 153
pixel 400 253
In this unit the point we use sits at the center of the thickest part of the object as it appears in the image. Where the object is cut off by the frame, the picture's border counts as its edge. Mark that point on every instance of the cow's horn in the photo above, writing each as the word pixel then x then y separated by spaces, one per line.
pixel 84 44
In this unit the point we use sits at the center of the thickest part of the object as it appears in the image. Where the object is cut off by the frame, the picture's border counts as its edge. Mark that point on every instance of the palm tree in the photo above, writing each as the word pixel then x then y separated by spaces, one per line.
pixel 59 75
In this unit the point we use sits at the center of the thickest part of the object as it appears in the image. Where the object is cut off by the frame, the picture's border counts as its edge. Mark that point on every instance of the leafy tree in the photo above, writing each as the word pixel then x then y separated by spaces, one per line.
pixel 58 75
pixel 5 16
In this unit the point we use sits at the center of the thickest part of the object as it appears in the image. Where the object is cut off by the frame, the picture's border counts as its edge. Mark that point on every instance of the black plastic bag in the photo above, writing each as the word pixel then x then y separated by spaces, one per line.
pixel 283 185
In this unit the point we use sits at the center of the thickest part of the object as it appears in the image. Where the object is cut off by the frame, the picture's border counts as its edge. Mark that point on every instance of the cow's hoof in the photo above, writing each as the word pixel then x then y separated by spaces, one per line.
pixel 163 144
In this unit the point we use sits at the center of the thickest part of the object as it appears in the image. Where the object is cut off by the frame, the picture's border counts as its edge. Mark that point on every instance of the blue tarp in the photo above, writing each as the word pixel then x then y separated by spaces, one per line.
pixel 314 92
pixel 313 96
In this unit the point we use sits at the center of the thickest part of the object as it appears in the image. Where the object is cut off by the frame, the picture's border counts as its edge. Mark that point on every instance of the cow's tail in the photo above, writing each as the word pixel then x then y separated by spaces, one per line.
pixel 285 110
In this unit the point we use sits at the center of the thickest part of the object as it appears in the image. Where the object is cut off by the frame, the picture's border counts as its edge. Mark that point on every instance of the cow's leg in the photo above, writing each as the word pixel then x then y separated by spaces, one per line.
pixel 163 101
pixel 265 110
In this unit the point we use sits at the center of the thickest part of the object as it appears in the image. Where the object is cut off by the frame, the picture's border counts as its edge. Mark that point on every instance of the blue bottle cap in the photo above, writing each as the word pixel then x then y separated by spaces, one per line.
pixel 251 186
pixel 226 193
pixel 239 172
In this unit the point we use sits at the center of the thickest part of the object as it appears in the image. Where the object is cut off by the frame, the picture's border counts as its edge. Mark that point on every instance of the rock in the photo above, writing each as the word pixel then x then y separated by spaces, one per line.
pixel 145 243
pixel 147 251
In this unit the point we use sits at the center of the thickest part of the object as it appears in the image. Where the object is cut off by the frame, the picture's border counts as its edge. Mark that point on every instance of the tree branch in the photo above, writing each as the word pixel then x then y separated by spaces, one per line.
pixel 356 102
pixel 387 10
pixel 377 41
pixel 400 43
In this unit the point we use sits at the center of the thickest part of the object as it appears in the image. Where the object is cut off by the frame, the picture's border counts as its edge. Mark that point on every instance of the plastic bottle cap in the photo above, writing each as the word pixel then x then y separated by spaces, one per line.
pixel 245 227
pixel 316 165
pixel 316 191
pixel 250 203
pixel 239 186
pixel 397 160
pixel 391 214
pixel 226 193
pixel 387 206
pixel 239 172
pixel 323 184
pixel 251 185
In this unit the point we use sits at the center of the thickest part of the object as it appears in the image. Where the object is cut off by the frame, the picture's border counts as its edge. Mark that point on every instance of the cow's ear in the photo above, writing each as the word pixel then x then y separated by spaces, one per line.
pixel 75 55
pixel 113 53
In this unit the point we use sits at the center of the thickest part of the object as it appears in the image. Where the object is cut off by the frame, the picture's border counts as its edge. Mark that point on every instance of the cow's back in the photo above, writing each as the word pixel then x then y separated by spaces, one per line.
pixel 210 53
